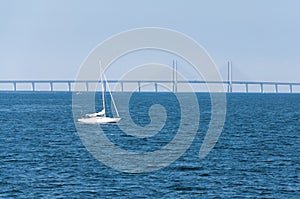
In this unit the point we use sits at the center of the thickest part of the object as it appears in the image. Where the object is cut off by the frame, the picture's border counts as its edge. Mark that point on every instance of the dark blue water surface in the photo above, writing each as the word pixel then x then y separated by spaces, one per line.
pixel 257 155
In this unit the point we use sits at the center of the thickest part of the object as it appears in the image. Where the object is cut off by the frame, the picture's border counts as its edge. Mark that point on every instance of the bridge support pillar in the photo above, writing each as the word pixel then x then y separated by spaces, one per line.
pixel 51 86
pixel 104 86
pixel 122 87
pixel 33 86
pixel 69 86
pixel 15 86
pixel 276 88
pixel 87 86
pixel 139 86
pixel 261 87
pixel 291 88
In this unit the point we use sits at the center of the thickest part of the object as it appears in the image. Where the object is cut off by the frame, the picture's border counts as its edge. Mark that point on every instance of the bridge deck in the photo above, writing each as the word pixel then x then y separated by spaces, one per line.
pixel 12 85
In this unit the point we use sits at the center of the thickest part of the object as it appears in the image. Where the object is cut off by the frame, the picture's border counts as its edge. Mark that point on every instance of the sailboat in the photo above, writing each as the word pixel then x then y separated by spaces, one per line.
pixel 101 117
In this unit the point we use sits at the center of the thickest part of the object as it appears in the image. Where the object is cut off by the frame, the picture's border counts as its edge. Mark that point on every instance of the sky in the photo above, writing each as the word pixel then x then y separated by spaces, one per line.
pixel 49 39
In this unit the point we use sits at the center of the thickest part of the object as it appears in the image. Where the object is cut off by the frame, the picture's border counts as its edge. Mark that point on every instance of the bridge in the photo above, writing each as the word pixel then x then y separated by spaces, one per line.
pixel 173 85
pixel 89 85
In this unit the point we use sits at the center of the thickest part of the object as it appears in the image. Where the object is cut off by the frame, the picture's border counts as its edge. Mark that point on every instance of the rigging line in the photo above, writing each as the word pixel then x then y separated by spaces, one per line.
pixel 112 99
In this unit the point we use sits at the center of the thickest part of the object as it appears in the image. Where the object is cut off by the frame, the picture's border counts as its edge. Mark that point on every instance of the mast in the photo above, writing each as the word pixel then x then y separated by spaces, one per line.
pixel 102 85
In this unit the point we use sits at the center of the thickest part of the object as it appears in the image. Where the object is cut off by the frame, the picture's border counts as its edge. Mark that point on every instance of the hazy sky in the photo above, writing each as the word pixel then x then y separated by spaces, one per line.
pixel 50 39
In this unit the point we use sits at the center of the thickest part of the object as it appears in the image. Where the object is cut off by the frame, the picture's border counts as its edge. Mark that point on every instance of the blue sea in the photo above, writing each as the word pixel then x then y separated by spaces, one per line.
pixel 256 156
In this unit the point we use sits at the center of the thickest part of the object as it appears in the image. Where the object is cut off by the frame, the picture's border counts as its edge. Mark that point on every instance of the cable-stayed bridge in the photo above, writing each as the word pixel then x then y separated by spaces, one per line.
pixel 173 85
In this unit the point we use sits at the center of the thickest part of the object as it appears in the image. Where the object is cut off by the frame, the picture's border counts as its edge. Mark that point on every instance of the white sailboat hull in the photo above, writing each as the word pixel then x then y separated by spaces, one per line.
pixel 99 120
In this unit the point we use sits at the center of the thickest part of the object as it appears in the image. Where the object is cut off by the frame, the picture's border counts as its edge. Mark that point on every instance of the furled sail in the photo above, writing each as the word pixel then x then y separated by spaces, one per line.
pixel 98 114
